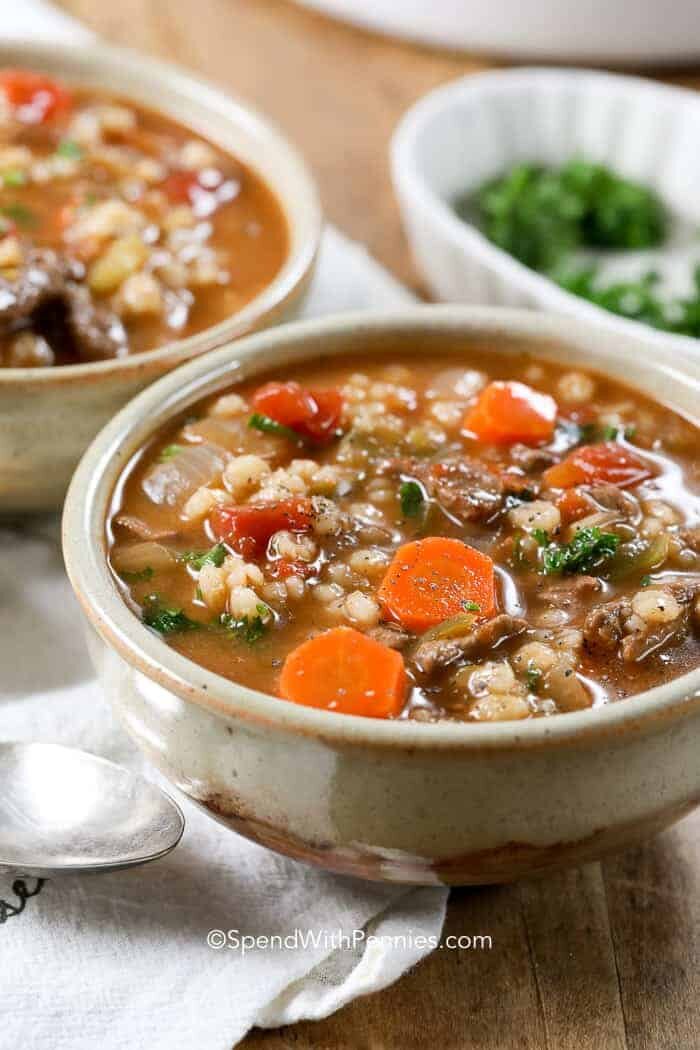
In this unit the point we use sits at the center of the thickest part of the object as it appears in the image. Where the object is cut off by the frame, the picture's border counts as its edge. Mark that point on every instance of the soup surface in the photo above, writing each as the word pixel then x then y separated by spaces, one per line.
pixel 477 536
pixel 120 230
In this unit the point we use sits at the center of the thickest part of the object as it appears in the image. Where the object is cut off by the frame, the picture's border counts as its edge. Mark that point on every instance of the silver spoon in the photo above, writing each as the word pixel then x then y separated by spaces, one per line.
pixel 63 811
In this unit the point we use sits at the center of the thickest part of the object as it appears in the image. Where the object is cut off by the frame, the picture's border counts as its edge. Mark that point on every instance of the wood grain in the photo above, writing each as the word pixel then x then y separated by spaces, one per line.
pixel 606 957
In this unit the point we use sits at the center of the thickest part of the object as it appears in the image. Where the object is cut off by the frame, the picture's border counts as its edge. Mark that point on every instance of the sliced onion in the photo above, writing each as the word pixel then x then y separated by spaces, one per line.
pixel 455 627
pixel 640 556
pixel 174 481
pixel 141 556
pixel 142 529
pixel 234 435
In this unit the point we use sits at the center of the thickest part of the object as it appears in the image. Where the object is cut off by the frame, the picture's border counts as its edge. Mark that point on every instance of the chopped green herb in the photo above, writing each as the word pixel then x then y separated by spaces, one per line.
pixel 588 550
pixel 412 498
pixel 470 606
pixel 533 677
pixel 637 300
pixel 645 580
pixel 265 425
pixel 137 577
pixel 198 559
pixel 168 452
pixel 593 433
pixel 165 619
pixel 541 215
pixel 69 148
pixel 14 177
pixel 250 629
pixel 18 213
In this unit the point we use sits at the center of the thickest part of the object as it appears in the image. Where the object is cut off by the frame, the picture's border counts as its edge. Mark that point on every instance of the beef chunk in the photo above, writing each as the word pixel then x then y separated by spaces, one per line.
pixel 610 497
pixel 615 627
pixel 531 459
pixel 97 332
pixel 691 538
pixel 434 655
pixel 47 297
pixel 569 591
pixel 41 278
pixel 465 487
pixel 391 636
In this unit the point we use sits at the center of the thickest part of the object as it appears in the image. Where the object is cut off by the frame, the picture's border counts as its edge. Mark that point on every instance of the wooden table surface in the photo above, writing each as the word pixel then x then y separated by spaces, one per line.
pixel 606 957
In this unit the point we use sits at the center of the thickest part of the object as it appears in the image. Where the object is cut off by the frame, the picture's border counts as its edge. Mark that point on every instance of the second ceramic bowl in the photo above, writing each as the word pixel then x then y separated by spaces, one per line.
pixel 49 416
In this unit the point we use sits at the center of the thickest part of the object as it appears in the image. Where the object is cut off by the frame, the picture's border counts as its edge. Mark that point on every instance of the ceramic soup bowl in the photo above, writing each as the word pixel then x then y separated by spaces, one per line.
pixel 48 416
pixel 399 801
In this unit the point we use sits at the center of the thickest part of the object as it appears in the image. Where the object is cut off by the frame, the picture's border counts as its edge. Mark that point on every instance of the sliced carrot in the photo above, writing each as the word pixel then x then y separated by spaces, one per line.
pixel 506 412
pixel 610 462
pixel 345 671
pixel 430 580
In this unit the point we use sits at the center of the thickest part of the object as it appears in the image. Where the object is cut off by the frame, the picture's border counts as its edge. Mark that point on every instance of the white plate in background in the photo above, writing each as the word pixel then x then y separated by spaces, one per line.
pixel 597 31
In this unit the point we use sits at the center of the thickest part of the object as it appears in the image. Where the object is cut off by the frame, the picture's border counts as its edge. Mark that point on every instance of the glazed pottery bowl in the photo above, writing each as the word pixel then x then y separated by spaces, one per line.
pixel 393 800
pixel 48 416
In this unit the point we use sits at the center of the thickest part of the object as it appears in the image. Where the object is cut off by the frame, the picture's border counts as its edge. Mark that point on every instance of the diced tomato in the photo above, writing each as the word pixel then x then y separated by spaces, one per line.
pixel 573 505
pixel 313 414
pixel 506 412
pixel 610 462
pixel 179 186
pixel 283 569
pixel 248 529
pixel 34 98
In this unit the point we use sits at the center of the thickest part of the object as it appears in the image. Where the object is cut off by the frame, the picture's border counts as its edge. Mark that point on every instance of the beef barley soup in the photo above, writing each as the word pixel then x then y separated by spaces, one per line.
pixel 120 230
pixel 475 536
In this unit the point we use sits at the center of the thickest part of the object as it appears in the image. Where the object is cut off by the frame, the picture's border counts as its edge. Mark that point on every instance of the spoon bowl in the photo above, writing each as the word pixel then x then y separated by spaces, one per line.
pixel 64 811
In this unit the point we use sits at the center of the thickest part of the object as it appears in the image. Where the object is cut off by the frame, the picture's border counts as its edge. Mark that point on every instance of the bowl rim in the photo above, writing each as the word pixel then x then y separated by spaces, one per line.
pixel 410 184
pixel 88 499
pixel 173 80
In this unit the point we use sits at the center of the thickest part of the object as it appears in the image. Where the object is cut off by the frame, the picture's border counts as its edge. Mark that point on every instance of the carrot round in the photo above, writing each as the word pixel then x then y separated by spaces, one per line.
pixel 345 671
pixel 506 412
pixel 430 580
pixel 609 463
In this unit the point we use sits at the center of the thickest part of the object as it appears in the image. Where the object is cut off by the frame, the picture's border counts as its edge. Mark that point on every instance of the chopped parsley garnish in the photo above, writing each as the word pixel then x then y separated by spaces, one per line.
pixel 266 425
pixel 138 577
pixel 594 433
pixel 250 629
pixel 587 551
pixel 69 148
pixel 18 213
pixel 533 677
pixel 470 606
pixel 14 177
pixel 412 499
pixel 169 452
pixel 541 215
pixel 645 580
pixel 164 618
pixel 198 559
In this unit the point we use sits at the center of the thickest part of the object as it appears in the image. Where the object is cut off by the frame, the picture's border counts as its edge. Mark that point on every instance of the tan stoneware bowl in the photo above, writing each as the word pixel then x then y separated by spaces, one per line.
pixel 48 416
pixel 399 801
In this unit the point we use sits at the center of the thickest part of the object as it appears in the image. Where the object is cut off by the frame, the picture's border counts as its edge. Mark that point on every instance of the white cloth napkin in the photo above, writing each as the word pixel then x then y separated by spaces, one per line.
pixel 121 961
